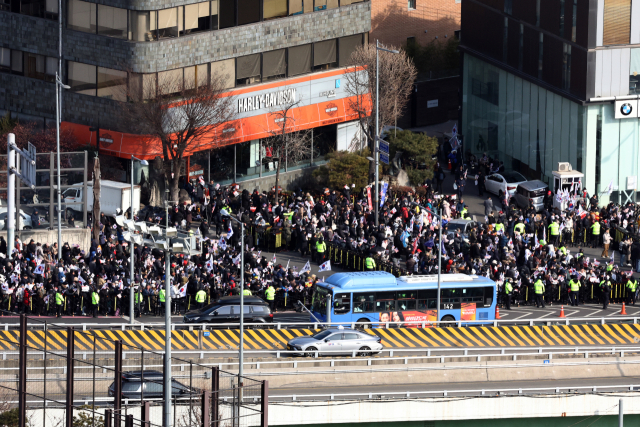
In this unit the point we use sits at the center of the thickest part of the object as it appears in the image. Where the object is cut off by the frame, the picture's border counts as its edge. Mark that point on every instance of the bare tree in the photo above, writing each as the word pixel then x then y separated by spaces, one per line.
pixel 182 115
pixel 286 143
pixel 396 78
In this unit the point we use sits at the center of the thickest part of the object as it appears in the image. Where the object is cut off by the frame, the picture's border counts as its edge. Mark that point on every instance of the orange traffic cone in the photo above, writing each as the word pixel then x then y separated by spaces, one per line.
pixel 497 313
pixel 623 311
pixel 562 311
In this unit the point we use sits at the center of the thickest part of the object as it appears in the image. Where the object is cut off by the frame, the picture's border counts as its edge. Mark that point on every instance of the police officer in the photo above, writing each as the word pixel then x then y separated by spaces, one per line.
pixel 370 263
pixel 95 302
pixel 321 247
pixel 59 302
pixel 595 234
pixel 554 232
pixel 574 290
pixel 162 299
pixel 270 295
pixel 631 289
pixel 246 291
pixel 605 288
pixel 538 289
pixel 201 296
pixel 508 291
pixel 519 227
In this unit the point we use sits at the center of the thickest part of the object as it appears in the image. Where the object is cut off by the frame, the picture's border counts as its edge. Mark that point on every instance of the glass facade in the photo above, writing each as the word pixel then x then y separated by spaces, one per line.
pixel 529 128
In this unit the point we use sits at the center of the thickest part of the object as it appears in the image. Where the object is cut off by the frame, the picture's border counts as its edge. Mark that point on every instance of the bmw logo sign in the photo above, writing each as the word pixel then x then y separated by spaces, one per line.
pixel 626 109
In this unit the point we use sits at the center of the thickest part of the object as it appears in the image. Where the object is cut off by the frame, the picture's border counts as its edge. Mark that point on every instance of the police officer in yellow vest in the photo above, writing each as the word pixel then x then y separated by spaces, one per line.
pixel 201 296
pixel 554 232
pixel 370 263
pixel 246 291
pixel 631 290
pixel 95 302
pixel 499 227
pixel 463 212
pixel 595 234
pixel 538 289
pixel 574 290
pixel 321 247
pixel 519 227
pixel 59 302
pixel 508 291
pixel 162 299
pixel 270 295
pixel 605 289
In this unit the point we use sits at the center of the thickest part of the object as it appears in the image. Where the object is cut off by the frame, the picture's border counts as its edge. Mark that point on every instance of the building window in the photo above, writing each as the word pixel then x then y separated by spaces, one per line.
pixel 39 8
pixel 561 18
pixel 274 64
pixel 540 52
pixel 248 70
pixel 566 66
pixel 5 5
pixel 299 60
pixel 5 59
pixel 537 13
pixel 508 7
pixel 112 84
pixel 197 18
pixel 82 78
pixel 112 21
pixel 248 11
pixel 617 22
pixel 324 55
pixel 505 40
pixel 224 71
pixel 412 4
pixel 227 13
pixel 214 15
pixel 574 20
pixel 34 65
pixel 197 75
pixel 634 72
pixel 598 151
pixel 347 45
pixel 16 62
pixel 521 47
pixel 82 16
pixel 170 82
pixel 274 9
pixel 168 23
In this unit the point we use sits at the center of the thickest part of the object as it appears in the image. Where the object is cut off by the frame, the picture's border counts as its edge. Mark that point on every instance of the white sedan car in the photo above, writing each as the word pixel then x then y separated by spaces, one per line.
pixel 498 183
pixel 24 221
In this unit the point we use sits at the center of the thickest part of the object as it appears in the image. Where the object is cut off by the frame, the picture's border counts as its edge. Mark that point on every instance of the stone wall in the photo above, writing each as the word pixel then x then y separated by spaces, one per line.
pixel 74 236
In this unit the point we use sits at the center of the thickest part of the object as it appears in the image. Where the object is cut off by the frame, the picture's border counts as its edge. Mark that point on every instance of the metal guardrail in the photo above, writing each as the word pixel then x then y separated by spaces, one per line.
pixel 446 393
pixel 548 321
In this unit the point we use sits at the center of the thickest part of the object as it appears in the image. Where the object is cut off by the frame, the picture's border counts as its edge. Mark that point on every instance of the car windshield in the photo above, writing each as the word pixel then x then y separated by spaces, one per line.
pixel 456 227
pixel 322 335
pixel 512 176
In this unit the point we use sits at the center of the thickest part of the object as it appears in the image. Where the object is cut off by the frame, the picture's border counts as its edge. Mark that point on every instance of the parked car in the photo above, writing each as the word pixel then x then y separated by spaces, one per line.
pixel 227 310
pixel 133 386
pixel 336 341
pixel 497 182
pixel 530 193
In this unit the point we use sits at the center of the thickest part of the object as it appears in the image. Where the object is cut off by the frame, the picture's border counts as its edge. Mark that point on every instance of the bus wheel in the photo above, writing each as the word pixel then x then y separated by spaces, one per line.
pixel 448 319
pixel 363 323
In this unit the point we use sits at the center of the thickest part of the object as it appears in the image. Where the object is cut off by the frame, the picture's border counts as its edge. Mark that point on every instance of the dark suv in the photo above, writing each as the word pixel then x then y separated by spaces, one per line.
pixel 227 310
pixel 133 386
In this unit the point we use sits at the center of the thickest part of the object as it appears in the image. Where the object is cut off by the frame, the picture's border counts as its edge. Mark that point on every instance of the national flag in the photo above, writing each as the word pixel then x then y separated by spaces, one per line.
pixel 81 280
pixel 612 259
pixel 209 264
pixel 609 188
pixel 536 239
pixel 273 260
pixel 325 266
pixel 229 232
pixel 236 260
pixel 39 269
pixel 17 268
pixel 454 131
pixel 182 292
pixel 288 264
pixel 306 267
pixel 222 243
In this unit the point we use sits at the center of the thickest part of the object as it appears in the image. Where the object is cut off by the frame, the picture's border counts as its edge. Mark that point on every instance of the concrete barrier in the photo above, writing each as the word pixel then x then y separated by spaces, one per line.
pixel 74 236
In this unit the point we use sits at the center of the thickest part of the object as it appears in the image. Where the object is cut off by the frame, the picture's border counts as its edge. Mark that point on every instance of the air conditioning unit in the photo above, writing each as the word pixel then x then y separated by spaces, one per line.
pixel 564 167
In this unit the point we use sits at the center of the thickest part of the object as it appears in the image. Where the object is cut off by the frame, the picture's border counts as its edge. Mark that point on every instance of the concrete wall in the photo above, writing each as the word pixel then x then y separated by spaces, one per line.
pixel 74 236
pixel 288 180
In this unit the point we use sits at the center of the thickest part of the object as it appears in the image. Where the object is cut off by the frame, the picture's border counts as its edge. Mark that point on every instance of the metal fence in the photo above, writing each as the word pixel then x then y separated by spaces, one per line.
pixel 92 390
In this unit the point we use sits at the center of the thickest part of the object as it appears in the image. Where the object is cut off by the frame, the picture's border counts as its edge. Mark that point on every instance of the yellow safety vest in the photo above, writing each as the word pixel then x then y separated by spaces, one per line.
pixel 200 295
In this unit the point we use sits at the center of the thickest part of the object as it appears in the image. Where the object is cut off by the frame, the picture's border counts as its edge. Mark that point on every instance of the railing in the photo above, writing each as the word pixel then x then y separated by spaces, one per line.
pixel 457 393
pixel 545 321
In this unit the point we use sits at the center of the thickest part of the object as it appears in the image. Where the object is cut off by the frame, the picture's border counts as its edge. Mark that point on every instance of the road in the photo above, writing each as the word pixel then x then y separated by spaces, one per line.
pixel 323 392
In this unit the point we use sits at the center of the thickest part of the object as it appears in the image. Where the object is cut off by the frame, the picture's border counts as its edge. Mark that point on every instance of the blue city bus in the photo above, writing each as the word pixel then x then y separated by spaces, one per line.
pixel 378 297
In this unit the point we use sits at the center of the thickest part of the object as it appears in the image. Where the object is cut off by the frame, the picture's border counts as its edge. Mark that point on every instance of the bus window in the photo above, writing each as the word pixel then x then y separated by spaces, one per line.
pixel 450 295
pixel 473 295
pixel 406 304
pixel 385 301
pixel 488 296
pixel 319 300
pixel 427 299
pixel 342 303
pixel 364 302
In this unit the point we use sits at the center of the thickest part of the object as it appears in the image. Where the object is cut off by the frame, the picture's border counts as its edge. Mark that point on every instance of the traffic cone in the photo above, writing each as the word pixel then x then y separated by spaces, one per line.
pixel 623 311
pixel 562 311
pixel 497 313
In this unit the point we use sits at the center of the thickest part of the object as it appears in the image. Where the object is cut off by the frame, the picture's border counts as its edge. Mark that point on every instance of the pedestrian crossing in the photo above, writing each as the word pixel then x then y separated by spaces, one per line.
pixel 276 339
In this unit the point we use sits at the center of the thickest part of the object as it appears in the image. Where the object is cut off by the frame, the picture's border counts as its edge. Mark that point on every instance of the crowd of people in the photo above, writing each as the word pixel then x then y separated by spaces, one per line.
pixel 534 257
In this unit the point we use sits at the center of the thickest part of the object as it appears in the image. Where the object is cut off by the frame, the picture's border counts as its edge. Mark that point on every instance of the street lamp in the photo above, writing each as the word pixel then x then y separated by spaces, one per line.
pixel 224 213
pixel 439 254
pixel 63 86
pixel 376 143
pixel 131 261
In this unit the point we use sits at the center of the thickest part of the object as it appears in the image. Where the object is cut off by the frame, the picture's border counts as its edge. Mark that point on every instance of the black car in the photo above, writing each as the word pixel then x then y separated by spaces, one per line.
pixel 134 388
pixel 227 310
